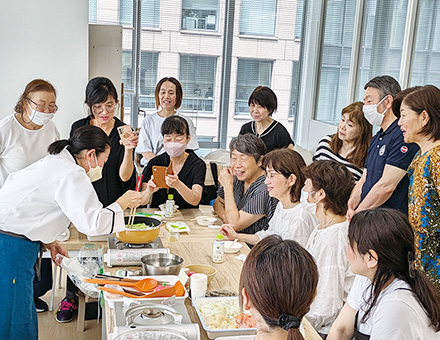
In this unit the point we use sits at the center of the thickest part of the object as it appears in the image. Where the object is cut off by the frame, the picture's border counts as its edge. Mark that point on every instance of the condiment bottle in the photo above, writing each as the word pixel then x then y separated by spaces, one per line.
pixel 169 206
pixel 218 251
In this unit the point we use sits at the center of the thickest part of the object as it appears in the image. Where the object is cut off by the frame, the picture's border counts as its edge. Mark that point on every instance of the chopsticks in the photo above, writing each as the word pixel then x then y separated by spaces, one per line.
pixel 133 210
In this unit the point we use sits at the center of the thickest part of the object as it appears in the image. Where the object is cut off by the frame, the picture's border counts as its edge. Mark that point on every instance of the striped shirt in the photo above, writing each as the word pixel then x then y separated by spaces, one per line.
pixel 255 201
pixel 324 152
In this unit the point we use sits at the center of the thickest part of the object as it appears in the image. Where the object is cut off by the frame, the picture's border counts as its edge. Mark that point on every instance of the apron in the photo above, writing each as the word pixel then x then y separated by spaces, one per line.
pixel 361 336
pixel 18 317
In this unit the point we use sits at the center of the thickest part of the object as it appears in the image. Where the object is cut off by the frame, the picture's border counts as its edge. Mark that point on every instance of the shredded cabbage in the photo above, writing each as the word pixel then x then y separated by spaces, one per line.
pixel 139 226
pixel 220 313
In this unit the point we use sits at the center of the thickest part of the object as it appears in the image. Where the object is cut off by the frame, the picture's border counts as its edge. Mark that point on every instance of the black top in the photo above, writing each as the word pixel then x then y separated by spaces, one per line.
pixel 275 136
pixel 110 187
pixel 193 172
pixel 255 201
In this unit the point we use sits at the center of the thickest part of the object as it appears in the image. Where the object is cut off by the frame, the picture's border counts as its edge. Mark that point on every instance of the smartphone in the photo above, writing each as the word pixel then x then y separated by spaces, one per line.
pixel 159 173
pixel 124 132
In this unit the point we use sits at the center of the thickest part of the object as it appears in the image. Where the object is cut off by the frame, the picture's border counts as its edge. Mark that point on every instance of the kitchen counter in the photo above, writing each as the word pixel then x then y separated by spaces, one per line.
pixel 196 248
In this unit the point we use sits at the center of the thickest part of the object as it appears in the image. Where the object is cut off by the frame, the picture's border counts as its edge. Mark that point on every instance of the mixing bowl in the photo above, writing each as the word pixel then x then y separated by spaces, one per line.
pixel 161 264
pixel 206 269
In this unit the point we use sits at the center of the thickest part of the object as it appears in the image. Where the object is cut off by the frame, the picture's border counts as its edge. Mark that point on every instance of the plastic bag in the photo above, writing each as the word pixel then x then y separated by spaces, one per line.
pixel 90 258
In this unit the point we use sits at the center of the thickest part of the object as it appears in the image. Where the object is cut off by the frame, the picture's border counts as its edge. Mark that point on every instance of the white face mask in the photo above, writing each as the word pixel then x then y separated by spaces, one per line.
pixel 305 203
pixel 95 174
pixel 40 118
pixel 372 115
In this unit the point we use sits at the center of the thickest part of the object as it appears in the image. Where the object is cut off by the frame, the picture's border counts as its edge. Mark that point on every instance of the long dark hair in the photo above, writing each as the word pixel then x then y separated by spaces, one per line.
pixel 86 137
pixel 362 141
pixel 179 91
pixel 287 162
pixel 296 277
pixel 389 234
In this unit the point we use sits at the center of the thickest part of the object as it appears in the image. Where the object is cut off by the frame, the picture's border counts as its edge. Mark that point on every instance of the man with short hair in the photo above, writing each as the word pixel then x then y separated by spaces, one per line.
pixel 384 181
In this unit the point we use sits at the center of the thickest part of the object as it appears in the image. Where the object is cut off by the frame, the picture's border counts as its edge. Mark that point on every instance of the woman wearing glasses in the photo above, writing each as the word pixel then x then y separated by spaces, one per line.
pixel 30 127
pixel 118 173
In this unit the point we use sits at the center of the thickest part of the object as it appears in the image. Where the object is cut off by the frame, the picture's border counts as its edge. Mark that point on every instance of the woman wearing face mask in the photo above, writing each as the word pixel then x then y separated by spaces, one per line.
pixel 24 138
pixel 326 191
pixel 168 96
pixel 284 181
pixel 349 145
pixel 186 183
pixel 390 298
pixel 29 128
pixel 37 204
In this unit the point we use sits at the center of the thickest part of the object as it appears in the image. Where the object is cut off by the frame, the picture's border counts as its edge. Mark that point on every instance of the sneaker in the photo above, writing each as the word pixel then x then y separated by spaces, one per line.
pixel 40 305
pixel 66 308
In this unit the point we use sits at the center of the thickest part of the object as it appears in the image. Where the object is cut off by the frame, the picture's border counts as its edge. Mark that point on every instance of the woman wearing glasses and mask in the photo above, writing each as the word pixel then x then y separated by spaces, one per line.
pixel 24 138
pixel 37 204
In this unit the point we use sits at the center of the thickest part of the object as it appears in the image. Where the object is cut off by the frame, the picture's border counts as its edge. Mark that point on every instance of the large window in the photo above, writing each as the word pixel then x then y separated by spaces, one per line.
pixel 149 13
pixel 250 74
pixel 199 14
pixel 335 65
pixel 382 41
pixel 426 64
pixel 258 17
pixel 197 76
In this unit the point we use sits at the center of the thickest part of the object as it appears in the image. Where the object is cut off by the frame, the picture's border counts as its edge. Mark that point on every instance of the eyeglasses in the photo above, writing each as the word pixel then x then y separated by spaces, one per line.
pixel 109 108
pixel 271 175
pixel 52 108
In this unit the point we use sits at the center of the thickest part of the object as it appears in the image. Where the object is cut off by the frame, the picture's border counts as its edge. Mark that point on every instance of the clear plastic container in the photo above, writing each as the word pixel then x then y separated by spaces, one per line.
pixel 218 250
pixel 169 206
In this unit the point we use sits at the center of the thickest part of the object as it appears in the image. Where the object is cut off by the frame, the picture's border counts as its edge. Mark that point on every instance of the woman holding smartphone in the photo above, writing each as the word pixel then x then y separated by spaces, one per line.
pixel 185 170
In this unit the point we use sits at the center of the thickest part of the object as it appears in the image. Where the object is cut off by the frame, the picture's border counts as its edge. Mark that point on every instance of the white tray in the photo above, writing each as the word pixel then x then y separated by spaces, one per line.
pixel 215 333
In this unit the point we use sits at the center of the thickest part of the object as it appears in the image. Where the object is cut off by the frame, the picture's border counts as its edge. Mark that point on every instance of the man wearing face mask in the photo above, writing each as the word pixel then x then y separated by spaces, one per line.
pixel 383 182
pixel 186 171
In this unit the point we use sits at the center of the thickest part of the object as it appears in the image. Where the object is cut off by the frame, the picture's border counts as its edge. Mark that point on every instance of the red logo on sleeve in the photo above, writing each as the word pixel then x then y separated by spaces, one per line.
pixel 404 149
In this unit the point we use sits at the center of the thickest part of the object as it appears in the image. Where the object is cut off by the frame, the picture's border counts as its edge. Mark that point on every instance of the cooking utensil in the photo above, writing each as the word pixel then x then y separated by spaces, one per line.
pixel 144 285
pixel 231 244
pixel 161 264
pixel 140 235
pixel 167 292
pixel 133 210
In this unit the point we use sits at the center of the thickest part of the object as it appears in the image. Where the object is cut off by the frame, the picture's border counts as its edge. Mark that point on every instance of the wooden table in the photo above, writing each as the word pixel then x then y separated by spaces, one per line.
pixel 196 248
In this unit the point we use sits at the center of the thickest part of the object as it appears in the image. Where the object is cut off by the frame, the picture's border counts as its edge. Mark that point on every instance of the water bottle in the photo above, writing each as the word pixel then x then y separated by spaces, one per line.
pixel 169 206
pixel 218 251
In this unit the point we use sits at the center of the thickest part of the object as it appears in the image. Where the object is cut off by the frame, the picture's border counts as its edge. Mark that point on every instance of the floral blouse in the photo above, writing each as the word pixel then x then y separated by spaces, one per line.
pixel 424 211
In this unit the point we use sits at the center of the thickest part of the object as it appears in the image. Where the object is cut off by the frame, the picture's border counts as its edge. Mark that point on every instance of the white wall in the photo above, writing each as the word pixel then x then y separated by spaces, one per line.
pixel 45 39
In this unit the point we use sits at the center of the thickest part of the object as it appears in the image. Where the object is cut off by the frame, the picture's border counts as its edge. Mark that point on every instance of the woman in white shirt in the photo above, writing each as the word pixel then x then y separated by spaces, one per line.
pixel 390 298
pixel 168 96
pixel 37 204
pixel 277 284
pixel 326 191
pixel 24 138
pixel 284 181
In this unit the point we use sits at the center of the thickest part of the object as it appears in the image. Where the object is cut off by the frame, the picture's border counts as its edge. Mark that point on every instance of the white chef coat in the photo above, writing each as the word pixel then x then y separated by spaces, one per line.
pixel 151 139
pixel 295 224
pixel 20 147
pixel 328 247
pixel 41 200
pixel 397 315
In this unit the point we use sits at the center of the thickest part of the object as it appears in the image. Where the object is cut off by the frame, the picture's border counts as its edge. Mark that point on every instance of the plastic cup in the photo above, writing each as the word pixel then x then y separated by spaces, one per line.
pixel 198 284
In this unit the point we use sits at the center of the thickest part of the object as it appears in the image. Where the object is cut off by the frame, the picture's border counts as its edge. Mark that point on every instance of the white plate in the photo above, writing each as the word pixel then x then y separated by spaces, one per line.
pixel 206 220
pixel 234 249
pixel 179 226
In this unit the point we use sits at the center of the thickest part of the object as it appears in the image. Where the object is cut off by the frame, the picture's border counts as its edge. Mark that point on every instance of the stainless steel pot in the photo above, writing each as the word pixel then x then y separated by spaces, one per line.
pixel 161 264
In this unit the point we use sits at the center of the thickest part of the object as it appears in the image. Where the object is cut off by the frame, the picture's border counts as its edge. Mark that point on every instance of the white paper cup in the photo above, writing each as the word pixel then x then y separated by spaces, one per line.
pixel 198 285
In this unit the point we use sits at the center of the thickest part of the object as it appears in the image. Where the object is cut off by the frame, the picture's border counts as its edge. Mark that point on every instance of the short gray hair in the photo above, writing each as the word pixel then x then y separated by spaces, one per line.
pixel 385 84
pixel 249 145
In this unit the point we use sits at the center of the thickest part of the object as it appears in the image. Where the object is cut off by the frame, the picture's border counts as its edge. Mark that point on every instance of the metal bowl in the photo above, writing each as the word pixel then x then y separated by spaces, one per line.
pixel 140 235
pixel 161 264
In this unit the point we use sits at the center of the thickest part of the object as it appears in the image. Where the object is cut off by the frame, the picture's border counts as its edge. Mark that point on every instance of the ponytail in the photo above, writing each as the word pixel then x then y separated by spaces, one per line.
pixel 86 137
pixel 428 297
pixel 56 147
pixel 294 334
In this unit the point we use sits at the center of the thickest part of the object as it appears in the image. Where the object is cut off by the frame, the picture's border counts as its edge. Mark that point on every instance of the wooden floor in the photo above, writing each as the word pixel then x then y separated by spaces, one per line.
pixel 50 329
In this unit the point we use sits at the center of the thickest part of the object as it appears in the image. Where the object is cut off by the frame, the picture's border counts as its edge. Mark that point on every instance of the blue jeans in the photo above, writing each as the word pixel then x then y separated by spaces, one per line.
pixel 18 317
